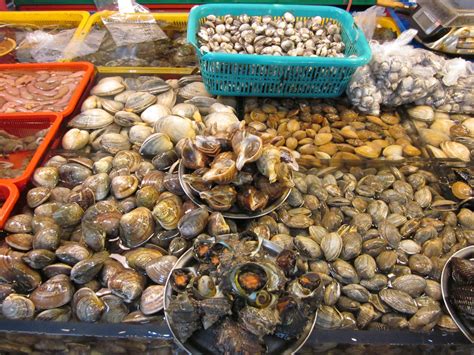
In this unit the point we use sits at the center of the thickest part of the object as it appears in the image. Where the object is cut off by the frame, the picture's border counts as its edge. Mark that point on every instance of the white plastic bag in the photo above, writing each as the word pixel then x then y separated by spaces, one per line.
pixel 367 20
pixel 131 23
pixel 399 74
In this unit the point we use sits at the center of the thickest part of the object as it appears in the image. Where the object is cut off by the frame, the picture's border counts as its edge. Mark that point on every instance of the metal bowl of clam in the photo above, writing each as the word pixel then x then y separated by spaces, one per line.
pixel 457 287
pixel 234 212
pixel 268 320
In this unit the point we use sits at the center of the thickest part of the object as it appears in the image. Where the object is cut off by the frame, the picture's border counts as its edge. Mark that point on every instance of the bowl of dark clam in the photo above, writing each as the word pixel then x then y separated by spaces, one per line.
pixel 238 293
pixel 235 174
pixel 457 286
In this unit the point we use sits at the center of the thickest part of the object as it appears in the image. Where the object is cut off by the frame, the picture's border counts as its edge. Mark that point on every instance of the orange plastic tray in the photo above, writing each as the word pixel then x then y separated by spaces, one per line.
pixel 87 67
pixel 9 195
pixel 26 124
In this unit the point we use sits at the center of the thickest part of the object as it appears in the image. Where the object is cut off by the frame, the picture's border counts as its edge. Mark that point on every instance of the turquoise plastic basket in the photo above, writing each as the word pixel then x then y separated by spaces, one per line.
pixel 266 75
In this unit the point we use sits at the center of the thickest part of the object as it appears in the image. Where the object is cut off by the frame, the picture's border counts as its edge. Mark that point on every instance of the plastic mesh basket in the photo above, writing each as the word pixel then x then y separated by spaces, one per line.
pixel 266 75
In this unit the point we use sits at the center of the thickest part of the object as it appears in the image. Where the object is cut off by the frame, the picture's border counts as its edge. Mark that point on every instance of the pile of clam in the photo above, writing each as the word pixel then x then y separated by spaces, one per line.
pixel 121 114
pixel 101 231
pixel 323 130
pixel 377 237
pixel 96 240
pixel 238 290
pixel 445 135
pixel 279 36
pixel 236 171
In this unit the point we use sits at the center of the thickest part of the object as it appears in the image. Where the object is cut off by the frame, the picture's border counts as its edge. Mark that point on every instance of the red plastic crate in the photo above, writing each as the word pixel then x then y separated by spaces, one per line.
pixel 9 196
pixel 26 124
pixel 88 69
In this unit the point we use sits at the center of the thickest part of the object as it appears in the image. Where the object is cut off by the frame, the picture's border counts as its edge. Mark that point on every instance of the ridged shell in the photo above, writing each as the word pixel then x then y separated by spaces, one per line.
pixel 175 127
pixel 92 119
pixel 127 285
pixel 331 245
pixel 159 269
pixel 87 306
pixel 151 300
pixel 54 293
pixel 414 285
pixel 18 307
pixel 136 227
pixel 399 301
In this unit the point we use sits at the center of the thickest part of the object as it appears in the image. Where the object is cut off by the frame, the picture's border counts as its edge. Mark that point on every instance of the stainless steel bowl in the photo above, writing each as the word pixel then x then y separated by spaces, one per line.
pixel 465 253
pixel 199 342
pixel 229 214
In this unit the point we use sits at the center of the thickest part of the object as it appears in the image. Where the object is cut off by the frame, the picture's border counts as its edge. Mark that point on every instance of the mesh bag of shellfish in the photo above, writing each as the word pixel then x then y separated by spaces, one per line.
pixel 399 74
pixel 131 23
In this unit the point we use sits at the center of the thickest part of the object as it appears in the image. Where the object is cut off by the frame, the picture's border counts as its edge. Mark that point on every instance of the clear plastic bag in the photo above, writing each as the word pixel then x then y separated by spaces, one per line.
pixel 399 74
pixel 131 23
pixel 45 47
pixel 367 20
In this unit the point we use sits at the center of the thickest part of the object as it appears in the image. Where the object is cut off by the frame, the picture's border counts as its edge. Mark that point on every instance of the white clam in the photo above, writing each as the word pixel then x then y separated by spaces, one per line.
pixel 176 127
pixel 421 113
pixel 456 150
pixel 437 153
pixel 442 125
pixel 433 137
pixel 469 124
pixel 91 102
pixel 108 86
pixel 75 139
pixel 154 113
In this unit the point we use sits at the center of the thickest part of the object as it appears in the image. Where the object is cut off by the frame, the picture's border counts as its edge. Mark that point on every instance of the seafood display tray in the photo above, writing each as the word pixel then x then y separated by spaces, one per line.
pixel 279 76
pixel 27 124
pixel 88 69
pixel 14 332
pixel 66 19
pixel 422 142
pixel 168 21
pixel 8 196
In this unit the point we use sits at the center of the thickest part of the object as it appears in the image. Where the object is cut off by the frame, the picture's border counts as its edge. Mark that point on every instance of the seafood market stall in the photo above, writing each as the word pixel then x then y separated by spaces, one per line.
pixel 239 179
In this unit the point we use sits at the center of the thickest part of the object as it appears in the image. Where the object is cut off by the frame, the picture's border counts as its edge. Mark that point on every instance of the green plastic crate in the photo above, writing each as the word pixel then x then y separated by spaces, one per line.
pixel 279 76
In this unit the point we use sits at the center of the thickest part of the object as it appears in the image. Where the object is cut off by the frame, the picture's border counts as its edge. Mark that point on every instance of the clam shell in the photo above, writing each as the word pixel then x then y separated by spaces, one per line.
pixel 155 144
pixel 18 307
pixel 85 270
pixel 159 269
pixel 139 101
pixel 421 113
pixel 54 293
pixel 115 309
pixel 168 210
pixel 414 285
pixel 114 142
pixel 92 119
pixel 399 301
pixel 331 246
pixel 127 285
pixel 152 299
pixel 456 150
pixel 126 119
pixel 111 106
pixel 87 306
pixel 154 113
pixel 108 86
pixel 136 227
pixel 139 258
pixel 175 127
pixel 75 139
